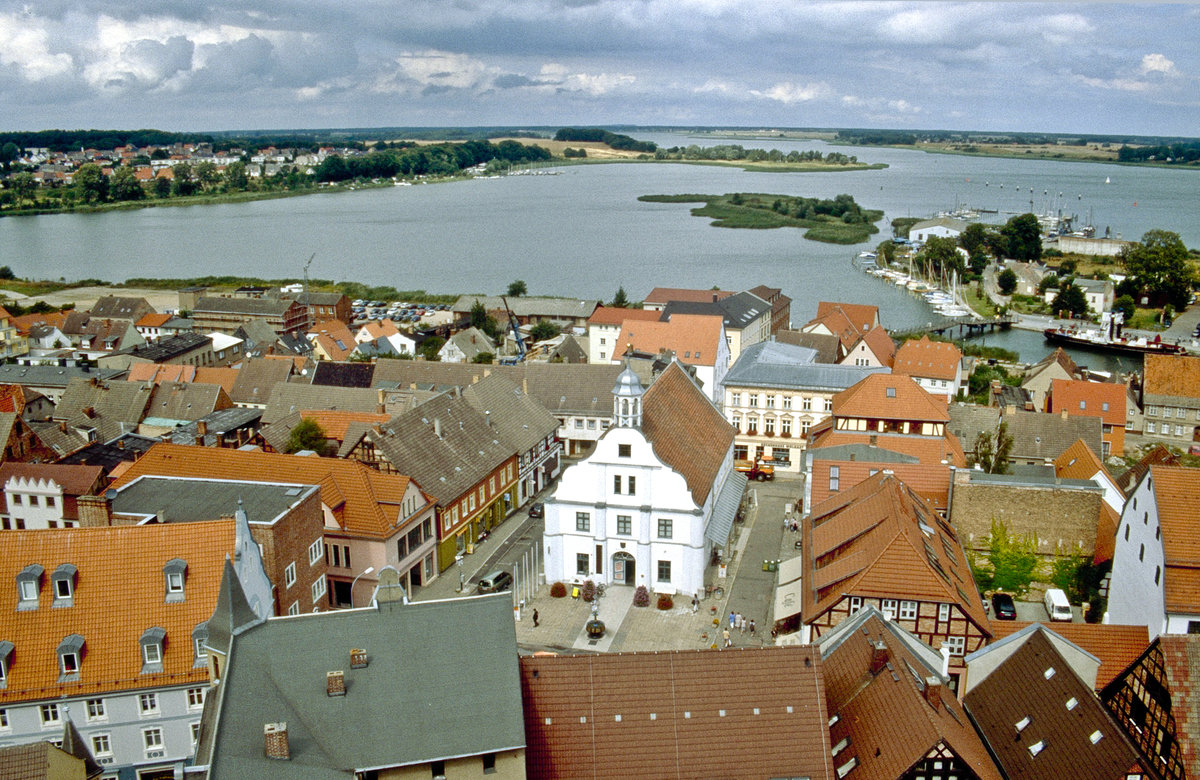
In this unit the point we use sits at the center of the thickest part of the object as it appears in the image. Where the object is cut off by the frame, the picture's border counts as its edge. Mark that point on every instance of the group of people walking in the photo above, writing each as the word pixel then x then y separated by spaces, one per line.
pixel 737 622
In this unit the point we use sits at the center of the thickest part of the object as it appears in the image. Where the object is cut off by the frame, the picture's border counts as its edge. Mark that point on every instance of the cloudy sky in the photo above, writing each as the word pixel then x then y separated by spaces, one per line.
pixel 203 65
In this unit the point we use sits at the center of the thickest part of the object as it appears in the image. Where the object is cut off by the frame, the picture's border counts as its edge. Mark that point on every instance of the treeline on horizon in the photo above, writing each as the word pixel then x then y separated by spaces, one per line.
pixel 405 158
pixel 598 135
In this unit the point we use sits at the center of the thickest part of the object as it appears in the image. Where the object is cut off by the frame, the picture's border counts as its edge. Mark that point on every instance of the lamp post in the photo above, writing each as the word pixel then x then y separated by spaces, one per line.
pixel 367 570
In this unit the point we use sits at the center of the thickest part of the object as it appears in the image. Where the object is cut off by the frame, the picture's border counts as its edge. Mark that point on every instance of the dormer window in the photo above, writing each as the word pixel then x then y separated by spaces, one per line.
pixel 173 574
pixel 70 651
pixel 63 581
pixel 199 639
pixel 152 649
pixel 29 586
pixel 6 649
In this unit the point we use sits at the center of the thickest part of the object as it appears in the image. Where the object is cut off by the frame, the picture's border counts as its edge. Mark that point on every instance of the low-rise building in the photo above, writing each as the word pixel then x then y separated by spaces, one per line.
pixel 604 326
pixel 934 365
pixel 45 495
pixel 696 340
pixel 861 339
pixel 226 315
pixel 192 349
pixel 940 227
pixel 465 346
pixel 1105 400
pixel 747 318
pixel 1041 375
pixel 1171 398
pixel 525 426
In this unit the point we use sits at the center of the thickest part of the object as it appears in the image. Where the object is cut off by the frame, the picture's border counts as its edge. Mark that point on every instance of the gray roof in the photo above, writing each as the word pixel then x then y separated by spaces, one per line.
pixel 111 408
pixel 729 499
pixel 183 500
pixel 556 308
pixel 411 704
pixel 115 307
pixel 184 400
pixel 825 344
pixel 1037 436
pixel 472 342
pixel 771 364
pixel 257 333
pixel 862 452
pixel 287 398
pixel 1026 478
pixel 257 378
pixel 170 347
pixel 51 376
pixel 218 423
pixel 259 306
pixel 738 311
pixel 522 422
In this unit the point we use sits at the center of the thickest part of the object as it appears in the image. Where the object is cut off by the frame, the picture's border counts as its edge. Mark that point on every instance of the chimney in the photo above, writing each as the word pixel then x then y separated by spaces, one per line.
pixel 275 741
pixel 335 683
pixel 358 658
pixel 874 440
pixel 933 692
pixel 437 427
pixel 487 418
pixel 879 656
pixel 715 298
pixel 94 511
pixel 201 428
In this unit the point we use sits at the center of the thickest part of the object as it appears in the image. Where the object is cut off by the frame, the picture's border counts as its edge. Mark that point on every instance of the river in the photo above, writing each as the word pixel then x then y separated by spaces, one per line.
pixel 583 232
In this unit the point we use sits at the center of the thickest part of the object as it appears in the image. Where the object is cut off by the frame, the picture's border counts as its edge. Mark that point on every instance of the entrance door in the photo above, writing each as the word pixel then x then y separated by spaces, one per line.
pixel 623 569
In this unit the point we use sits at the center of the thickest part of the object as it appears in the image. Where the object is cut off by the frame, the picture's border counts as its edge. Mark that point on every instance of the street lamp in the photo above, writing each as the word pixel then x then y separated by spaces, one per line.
pixel 367 570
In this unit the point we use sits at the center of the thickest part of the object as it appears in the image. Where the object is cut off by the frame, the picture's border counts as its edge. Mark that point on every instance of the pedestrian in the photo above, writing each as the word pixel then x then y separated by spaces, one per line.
pixel 695 604
pixel 732 618
pixel 741 622
pixel 752 627
pixel 535 619
pixel 728 641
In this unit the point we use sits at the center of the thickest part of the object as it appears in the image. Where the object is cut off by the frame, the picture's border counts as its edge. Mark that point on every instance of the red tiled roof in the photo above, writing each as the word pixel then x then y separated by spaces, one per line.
pixel 746 713
pixel 694 338
pixel 1177 375
pixel 860 315
pixel 1181 664
pixel 925 358
pixel 1077 462
pixel 1088 399
pixel 609 315
pixel 74 480
pixel 335 422
pixel 880 344
pixel 1177 494
pixel 930 449
pixel 153 320
pixel 890 397
pixel 686 430
pixel 118 594
pixel 666 295
pixel 1116 646
pixel 366 502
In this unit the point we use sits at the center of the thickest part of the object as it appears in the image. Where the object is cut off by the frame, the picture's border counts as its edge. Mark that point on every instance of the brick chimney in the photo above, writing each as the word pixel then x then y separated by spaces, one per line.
pixel 335 683
pixel 879 656
pixel 275 741
pixel 358 658
pixel 94 511
pixel 933 692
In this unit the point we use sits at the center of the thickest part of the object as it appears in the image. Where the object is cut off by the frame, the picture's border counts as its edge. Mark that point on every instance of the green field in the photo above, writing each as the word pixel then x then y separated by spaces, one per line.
pixel 837 221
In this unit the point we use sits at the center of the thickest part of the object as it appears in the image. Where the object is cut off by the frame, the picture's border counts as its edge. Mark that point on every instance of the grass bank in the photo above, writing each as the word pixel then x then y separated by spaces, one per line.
pixel 847 224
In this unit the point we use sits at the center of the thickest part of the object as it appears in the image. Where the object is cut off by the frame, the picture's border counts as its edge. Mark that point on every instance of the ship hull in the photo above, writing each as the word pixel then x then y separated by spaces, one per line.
pixel 1108 345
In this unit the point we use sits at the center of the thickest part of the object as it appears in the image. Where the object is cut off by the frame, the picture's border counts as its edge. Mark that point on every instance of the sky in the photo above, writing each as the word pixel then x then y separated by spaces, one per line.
pixel 192 65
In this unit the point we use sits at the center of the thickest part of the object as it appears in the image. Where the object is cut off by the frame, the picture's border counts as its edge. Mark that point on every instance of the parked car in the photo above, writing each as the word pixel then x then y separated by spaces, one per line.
pixel 537 510
pixel 1057 606
pixel 495 582
pixel 1003 607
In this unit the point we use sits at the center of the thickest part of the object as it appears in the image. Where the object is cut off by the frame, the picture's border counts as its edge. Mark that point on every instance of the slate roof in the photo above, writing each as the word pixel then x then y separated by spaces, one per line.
pixel 889 723
pixel 889 397
pixel 115 307
pixel 1079 398
pixel 108 455
pixel 925 358
pixel 287 398
pixel 1037 436
pixel 218 423
pixel 259 306
pixel 1177 494
pixel 889 544
pixel 772 364
pixel 337 374
pixel 185 400
pixel 257 378
pixel 825 346
pixel 1172 376
pixel 684 714
pixel 686 431
pixel 524 306
pixel 739 310
pixel 416 656
pixel 522 422
pixel 51 376
pixel 111 408
pixel 1115 646
pixel 190 499
pixel 118 595
pixel 363 501
pixel 170 347
pixel 694 338
pixel 1036 687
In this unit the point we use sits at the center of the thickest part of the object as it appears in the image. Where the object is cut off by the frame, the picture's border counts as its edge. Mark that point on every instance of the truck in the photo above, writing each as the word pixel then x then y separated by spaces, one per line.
pixel 761 469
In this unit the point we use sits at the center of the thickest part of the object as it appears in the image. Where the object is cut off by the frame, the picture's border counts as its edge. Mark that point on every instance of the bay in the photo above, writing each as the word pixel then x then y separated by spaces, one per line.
pixel 582 232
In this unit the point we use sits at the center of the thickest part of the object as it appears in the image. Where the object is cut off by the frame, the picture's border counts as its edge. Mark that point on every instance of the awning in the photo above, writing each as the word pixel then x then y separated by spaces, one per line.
pixel 787 600
pixel 790 570
pixel 725 508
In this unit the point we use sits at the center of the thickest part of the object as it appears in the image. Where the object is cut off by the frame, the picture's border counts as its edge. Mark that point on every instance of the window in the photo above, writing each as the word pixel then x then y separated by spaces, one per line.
pixel 806 404
pixel 62 589
pixel 616 483
pixel 1152 411
pixel 829 404
pixel 1151 427
pixel 888 607
pixel 174 572
pixel 579 424
pixel 4 719
pixel 489 763
pixel 195 734
pixel 101 745
pixel 957 644
pixel 769 426
pixel 624 525
pixel 739 451
pixel 943 612
pixel 96 710
pixel 195 698
pixel 665 527
pixel 314 551
pixel 198 644
pixel 855 604
pixel 752 424
pixel 318 589
pixel 786 426
pixel 294 609
pixel 753 398
pixel 583 522
pixel 735 399
pixel 49 714
pixel 29 583
pixel 289 575
pixel 581 563
pixel 804 426
pixel 735 420
pixel 787 402
pixel 152 739
pixel 17 499
pixel 632 485
pixel 624 450
pixel 664 571
pixel 908 610
pixel 174 583
pixel 834 477
pixel 770 402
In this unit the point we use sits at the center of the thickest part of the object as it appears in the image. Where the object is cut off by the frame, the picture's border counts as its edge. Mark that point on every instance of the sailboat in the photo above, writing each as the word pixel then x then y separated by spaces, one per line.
pixel 1107 180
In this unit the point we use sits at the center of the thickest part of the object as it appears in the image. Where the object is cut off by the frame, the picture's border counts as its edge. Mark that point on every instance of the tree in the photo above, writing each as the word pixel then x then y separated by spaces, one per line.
pixel 619 300
pixel 207 175
pixel 1023 236
pixel 236 179
pixel 517 289
pixel 940 255
pixel 6 273
pixel 1070 299
pixel 886 251
pixel 162 187
pixel 308 435
pixel 1159 267
pixel 544 330
pixel 484 358
pixel 974 238
pixel 125 185
pixel 91 183
pixel 482 320
pixel 992 450
pixel 430 347
pixel 1007 281
pixel 8 153
pixel 184 182
pixel 23 186
pixel 1125 304
pixel 1011 562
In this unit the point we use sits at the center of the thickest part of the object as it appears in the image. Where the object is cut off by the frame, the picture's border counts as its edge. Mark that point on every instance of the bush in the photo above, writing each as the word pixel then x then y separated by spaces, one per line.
pixel 558 590
pixel 641 597
pixel 589 590
pixel 665 601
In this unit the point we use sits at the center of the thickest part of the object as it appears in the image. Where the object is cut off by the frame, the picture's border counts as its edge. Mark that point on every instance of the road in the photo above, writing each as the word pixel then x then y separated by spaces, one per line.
pixel 753 590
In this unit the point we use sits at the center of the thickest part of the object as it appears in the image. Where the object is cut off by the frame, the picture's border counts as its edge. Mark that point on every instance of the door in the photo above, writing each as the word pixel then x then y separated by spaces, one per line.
pixel 623 573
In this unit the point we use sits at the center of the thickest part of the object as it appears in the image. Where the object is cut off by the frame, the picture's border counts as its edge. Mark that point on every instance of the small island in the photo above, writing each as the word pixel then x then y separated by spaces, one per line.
pixel 837 221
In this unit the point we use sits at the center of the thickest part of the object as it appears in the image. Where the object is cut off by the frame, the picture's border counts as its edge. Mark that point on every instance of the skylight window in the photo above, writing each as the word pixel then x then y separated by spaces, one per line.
pixel 1022 724
pixel 1072 703
pixel 1037 747
pixel 1096 736
pixel 1049 672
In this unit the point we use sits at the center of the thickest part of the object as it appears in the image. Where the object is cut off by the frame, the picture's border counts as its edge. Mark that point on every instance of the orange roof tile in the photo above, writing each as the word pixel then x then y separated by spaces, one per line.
pixel 890 397
pixel 610 315
pixel 153 320
pixel 694 338
pixel 379 329
pixel 335 422
pixel 665 295
pixel 27 321
pixel 1116 646
pixel 1181 660
pixel 861 316
pixel 1077 462
pixel 1176 375
pixel 118 594
pixel 161 372
pixel 880 344
pixel 1177 494
pixel 925 358
pixel 366 502
pixel 1105 400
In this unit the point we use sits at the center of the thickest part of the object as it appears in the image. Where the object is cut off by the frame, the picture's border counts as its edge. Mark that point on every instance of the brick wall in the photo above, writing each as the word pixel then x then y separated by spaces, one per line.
pixel 287 541
pixel 1057 517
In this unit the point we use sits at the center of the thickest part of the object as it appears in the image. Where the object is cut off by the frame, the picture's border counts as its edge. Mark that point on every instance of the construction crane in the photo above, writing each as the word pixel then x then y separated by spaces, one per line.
pixel 516 331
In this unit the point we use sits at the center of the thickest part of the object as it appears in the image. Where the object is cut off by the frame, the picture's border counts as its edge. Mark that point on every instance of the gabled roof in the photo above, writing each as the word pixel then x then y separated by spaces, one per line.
pixel 257 378
pixel 1058 360
pixel 845 320
pixel 1042 721
pixel 287 398
pixel 375 329
pixel 925 358
pixel 531 306
pixel 1177 494
pixel 112 408
pixel 364 501
pixel 153 320
pixel 120 307
pixel 751 713
pixel 185 400
pixel 825 345
pixel 170 347
pixel 610 315
pixel 333 373
pixel 879 343
pixel 1158 455
pixel 686 430
pixel 885 717
pixel 119 593
pixel 738 311
pixel 1116 647
pixel 889 544
pixel 1079 462
pixel 40 760
pixel 471 342
pixel 250 306
pixel 890 397
pixel 1175 376
pixel 522 422
pixel 694 338
pixel 1105 400
pixel 664 295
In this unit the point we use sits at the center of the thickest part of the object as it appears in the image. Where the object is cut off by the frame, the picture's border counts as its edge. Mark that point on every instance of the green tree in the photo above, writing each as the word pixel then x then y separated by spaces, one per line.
pixel 482 320
pixel 1007 281
pixel 162 187
pixel 24 186
pixel 1158 265
pixel 236 179
pixel 619 300
pixel 1023 237
pixel 6 273
pixel 974 238
pixel 1125 304
pixel 125 185
pixel 886 251
pixel 184 182
pixel 1070 299
pixel 430 347
pixel 207 175
pixel 484 358
pixel 91 183
pixel 308 435
pixel 940 256
pixel 544 330
pixel 8 153
pixel 517 289
pixel 992 450
pixel 1011 562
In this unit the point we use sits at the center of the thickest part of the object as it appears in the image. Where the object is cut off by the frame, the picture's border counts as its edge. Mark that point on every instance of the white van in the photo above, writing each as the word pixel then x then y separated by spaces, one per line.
pixel 1057 605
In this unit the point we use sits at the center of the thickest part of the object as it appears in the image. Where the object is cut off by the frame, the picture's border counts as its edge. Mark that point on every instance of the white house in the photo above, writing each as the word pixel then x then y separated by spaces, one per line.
pixel 1099 293
pixel 1156 559
pixel 942 227
pixel 655 496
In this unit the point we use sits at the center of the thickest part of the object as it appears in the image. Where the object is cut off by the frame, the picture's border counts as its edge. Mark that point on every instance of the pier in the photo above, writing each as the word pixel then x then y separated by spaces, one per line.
pixel 966 327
